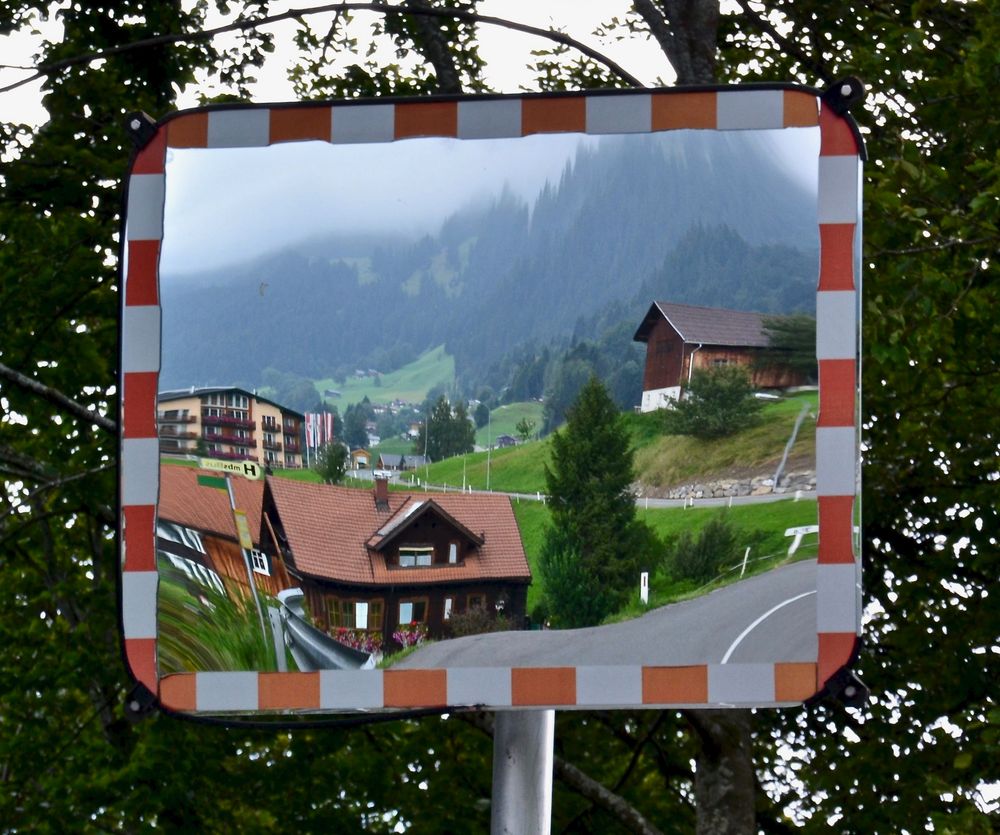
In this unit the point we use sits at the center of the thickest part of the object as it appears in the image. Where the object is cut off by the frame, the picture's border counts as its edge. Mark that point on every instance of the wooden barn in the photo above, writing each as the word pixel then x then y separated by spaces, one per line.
pixel 681 339
pixel 197 532
pixel 376 560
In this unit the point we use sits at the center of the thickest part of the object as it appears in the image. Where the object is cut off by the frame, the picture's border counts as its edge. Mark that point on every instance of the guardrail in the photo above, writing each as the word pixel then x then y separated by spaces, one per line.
pixel 311 648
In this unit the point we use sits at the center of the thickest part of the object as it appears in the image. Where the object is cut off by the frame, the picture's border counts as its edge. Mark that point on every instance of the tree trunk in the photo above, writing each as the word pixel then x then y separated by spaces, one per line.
pixel 724 786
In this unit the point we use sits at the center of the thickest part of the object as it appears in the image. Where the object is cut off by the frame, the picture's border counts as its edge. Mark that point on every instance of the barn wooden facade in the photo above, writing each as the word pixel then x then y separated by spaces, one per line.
pixel 681 339
pixel 376 561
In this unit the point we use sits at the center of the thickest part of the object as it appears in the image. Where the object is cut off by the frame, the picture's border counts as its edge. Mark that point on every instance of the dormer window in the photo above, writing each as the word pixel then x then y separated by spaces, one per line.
pixel 415 556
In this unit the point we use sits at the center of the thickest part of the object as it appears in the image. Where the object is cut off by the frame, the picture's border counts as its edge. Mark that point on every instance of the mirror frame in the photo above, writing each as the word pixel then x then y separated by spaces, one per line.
pixel 838 580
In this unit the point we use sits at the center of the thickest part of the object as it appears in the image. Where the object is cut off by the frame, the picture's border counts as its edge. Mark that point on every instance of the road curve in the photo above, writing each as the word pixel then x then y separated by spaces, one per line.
pixel 765 619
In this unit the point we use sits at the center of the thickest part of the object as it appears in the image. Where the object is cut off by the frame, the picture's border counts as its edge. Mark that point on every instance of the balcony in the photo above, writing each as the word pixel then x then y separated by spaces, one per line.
pixel 291 426
pixel 226 420
pixel 292 446
pixel 231 456
pixel 249 443
pixel 270 426
pixel 275 445
pixel 166 417
pixel 169 433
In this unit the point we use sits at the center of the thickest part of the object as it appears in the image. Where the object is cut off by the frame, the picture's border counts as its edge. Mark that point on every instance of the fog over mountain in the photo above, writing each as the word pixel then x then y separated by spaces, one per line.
pixel 693 216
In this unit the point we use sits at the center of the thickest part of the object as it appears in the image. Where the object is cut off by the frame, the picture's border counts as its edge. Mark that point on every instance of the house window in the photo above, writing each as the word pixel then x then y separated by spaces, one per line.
pixel 259 562
pixel 412 611
pixel 720 362
pixel 448 604
pixel 453 552
pixel 475 601
pixel 416 556
pixel 340 612
pixel 361 614
pixel 374 614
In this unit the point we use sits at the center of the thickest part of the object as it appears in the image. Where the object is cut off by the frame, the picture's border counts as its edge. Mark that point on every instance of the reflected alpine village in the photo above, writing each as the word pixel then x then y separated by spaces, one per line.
pixel 518 402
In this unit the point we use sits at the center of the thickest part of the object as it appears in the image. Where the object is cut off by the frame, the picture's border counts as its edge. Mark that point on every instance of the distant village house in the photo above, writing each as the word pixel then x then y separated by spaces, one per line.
pixel 681 339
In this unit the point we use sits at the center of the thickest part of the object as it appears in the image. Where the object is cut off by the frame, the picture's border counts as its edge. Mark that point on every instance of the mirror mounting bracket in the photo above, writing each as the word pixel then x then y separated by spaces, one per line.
pixel 139 703
pixel 843 94
pixel 846 688
pixel 141 128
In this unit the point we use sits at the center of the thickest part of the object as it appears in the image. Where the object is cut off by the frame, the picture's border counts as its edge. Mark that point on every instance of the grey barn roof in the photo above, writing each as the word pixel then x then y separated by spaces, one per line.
pixel 707 325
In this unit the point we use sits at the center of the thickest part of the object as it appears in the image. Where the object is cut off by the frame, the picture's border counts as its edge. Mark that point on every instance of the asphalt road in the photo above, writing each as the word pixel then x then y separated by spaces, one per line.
pixel 764 619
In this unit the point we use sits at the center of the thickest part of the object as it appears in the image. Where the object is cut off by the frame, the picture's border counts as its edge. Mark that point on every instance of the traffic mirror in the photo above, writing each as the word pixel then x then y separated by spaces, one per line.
pixel 368 351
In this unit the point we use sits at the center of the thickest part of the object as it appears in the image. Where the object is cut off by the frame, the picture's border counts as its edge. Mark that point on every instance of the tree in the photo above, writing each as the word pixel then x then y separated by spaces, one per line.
pixel 793 338
pixel 525 428
pixel 481 415
pixel 356 418
pixel 447 432
pixel 931 505
pixel 332 462
pixel 717 402
pixel 594 525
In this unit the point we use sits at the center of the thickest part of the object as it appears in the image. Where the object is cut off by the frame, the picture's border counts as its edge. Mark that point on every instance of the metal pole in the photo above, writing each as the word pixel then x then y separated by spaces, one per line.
pixel 246 565
pixel 522 772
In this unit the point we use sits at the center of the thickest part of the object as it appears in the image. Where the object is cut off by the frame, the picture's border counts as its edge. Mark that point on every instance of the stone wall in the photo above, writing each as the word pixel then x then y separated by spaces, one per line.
pixel 756 486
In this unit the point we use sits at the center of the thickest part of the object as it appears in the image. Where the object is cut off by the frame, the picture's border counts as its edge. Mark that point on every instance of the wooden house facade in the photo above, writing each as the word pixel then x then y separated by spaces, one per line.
pixel 681 339
pixel 377 561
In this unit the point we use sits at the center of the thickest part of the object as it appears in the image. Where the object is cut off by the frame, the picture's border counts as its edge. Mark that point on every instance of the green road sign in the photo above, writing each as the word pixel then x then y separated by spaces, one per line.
pixel 212 481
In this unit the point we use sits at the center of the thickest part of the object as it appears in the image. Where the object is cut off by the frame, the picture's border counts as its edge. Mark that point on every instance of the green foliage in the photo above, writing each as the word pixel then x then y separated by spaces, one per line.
pixel 574 595
pixel 700 558
pixel 596 544
pixel 716 403
pixel 525 429
pixel 477 621
pixel 447 432
pixel 332 463
pixel 932 385
pixel 356 417
pixel 794 338
pixel 200 628
pixel 481 415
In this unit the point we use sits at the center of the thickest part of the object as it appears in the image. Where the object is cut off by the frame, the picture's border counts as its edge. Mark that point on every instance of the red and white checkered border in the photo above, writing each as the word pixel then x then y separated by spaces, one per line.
pixel 838 572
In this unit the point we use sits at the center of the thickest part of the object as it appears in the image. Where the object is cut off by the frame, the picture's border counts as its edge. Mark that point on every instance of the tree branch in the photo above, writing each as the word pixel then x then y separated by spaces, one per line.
pixel 58 482
pixel 436 50
pixel 58 399
pixel 788 46
pixel 243 25
pixel 686 32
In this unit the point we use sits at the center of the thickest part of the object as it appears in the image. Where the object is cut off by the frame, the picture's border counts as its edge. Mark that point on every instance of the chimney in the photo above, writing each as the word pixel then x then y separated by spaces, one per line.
pixel 381 493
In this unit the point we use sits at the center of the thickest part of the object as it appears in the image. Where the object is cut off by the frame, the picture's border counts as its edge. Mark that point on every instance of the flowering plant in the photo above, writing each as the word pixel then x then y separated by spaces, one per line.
pixel 370 642
pixel 410 634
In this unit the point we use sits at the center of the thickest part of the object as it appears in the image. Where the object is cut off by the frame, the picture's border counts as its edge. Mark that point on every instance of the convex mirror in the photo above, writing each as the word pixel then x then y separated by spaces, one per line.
pixel 352 335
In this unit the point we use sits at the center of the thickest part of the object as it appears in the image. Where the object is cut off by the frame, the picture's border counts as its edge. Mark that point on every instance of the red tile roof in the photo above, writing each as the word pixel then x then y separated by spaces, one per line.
pixel 329 528
pixel 707 325
pixel 184 502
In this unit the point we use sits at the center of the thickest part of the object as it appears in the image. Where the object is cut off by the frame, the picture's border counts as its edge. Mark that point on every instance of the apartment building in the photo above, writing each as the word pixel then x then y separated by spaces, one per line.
pixel 229 423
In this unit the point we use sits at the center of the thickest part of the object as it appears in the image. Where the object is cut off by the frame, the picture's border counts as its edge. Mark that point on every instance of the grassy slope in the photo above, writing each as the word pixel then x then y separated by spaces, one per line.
pixel 675 459
pixel 504 420
pixel 410 383
pixel 764 523
pixel 661 460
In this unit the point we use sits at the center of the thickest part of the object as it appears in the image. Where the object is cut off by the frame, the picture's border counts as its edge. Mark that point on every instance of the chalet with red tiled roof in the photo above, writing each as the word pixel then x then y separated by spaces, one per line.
pixel 374 560
pixel 195 527
pixel 681 339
